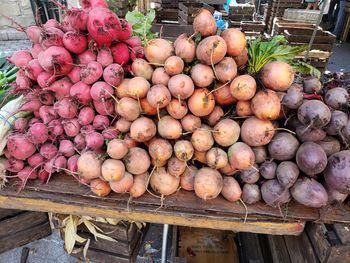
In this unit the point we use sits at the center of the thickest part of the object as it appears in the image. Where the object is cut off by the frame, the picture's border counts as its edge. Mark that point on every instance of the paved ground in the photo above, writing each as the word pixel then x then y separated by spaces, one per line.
pixel 8 47
pixel 340 59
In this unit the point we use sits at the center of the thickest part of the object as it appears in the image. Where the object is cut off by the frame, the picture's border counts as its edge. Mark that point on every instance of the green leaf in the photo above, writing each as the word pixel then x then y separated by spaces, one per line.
pixel 151 15
pixel 304 68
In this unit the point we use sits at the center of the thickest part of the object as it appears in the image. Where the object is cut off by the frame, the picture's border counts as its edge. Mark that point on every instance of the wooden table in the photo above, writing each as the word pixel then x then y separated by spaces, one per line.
pixel 65 196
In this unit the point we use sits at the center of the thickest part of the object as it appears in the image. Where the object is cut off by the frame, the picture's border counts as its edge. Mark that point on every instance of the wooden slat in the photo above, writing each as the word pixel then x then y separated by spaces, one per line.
pixel 278 250
pixel 21 222
pixel 343 232
pixel 300 249
pixel 8 213
pixel 250 247
pixel 24 237
pixel 65 196
pixel 316 234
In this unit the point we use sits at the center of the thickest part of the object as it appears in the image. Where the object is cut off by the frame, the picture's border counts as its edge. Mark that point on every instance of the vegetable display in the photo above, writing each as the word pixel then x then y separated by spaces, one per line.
pixel 202 116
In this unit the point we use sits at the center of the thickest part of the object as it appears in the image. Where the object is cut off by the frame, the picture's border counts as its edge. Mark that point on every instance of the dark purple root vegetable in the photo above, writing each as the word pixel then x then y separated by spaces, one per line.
pixel 283 146
pixel 294 98
pixel 312 85
pixel 334 196
pixel 337 172
pixel 309 192
pixel 274 194
pixel 260 154
pixel 310 134
pixel 330 145
pixel 337 98
pixel 251 175
pixel 251 194
pixel 287 173
pixel 338 122
pixel 311 158
pixel 268 169
pixel 314 113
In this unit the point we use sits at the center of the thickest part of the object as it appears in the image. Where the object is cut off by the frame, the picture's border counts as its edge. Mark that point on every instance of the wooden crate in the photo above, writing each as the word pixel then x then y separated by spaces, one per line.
pixel 200 245
pixel 322 37
pixel 188 11
pixel 129 239
pixel 249 26
pixel 330 242
pixel 18 228
pixel 172 31
pixel 166 14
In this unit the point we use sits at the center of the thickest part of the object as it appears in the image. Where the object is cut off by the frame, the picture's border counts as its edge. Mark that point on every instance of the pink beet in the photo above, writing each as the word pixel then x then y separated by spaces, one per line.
pixel 20 58
pixel 126 30
pixel 43 176
pixel 20 125
pixel 56 60
pixel 74 74
pixel 35 50
pixel 66 148
pixel 104 107
pixel 55 128
pixel 74 42
pixel 31 105
pixel 113 74
pixel 86 57
pixel 20 146
pixel 101 90
pixel 51 37
pixel 91 73
pixel 48 150
pixel 86 116
pixel 100 122
pixel 120 53
pixel 81 92
pixel 35 160
pixel 38 133
pixel 66 108
pixel 33 33
pixel 45 79
pixel 90 4
pixel 104 57
pixel 51 23
pixel 61 88
pixel 23 83
pixel 79 142
pixel 14 165
pixel 27 173
pixel 72 163
pixel 47 113
pixel 110 133
pixel 86 129
pixel 33 69
pixel 94 140
pixel 133 41
pixel 71 127
pixel 103 25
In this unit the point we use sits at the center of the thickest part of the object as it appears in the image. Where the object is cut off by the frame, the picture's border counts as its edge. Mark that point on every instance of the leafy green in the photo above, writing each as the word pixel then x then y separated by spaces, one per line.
pixel 142 24
pixel 262 52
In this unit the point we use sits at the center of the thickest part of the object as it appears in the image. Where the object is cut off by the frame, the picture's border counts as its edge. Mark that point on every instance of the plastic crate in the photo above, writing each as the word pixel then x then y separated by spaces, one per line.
pixel 301 15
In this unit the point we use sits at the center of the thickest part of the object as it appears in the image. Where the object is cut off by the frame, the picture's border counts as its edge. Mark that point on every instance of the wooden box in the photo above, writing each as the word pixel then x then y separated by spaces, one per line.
pixel 128 236
pixel 330 242
pixel 188 11
pixel 18 228
pixel 200 245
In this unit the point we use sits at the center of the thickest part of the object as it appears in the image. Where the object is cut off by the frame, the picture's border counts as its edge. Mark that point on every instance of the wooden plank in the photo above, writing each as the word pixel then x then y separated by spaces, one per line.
pixel 316 234
pixel 21 222
pixel 9 212
pixel 279 251
pixel 343 232
pixel 250 247
pixel 24 237
pixel 172 30
pixel 320 38
pixel 300 249
pixel 65 196
pixel 119 247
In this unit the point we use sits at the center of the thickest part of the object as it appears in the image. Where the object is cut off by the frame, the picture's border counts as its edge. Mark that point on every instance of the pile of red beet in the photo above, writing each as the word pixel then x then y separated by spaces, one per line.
pixel 68 79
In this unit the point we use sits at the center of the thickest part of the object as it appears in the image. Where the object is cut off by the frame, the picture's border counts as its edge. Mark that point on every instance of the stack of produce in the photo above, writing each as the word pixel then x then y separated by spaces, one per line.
pixel 185 118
